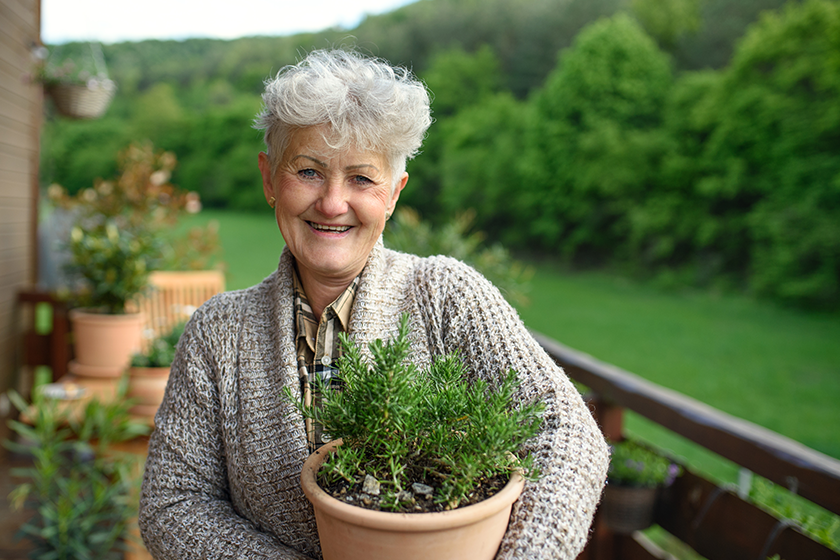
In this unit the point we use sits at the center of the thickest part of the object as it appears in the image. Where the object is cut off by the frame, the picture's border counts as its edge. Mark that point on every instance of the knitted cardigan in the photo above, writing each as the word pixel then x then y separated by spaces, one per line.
pixel 222 474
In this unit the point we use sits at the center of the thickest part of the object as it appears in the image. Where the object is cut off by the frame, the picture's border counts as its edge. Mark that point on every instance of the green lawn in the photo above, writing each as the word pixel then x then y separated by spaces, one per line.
pixel 777 367
pixel 251 244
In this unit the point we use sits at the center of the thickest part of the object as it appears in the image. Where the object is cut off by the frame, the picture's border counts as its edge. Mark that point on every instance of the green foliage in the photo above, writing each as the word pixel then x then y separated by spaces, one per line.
pixel 398 422
pixel 161 352
pixel 821 525
pixel 83 495
pixel 114 265
pixel 408 233
pixel 771 174
pixel 667 20
pixel 594 141
pixel 457 79
pixel 479 165
pixel 632 464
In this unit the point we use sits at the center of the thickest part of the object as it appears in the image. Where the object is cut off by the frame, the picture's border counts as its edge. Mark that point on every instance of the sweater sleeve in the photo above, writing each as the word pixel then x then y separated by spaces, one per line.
pixel 553 516
pixel 185 506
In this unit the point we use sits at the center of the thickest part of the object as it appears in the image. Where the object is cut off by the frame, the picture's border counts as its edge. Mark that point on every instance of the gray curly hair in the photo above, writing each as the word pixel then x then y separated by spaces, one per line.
pixel 366 103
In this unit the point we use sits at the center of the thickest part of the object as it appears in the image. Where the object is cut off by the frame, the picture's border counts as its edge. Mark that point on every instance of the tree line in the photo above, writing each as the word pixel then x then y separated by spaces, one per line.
pixel 701 146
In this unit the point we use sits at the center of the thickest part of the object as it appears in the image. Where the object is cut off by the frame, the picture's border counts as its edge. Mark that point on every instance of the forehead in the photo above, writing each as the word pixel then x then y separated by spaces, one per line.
pixel 314 142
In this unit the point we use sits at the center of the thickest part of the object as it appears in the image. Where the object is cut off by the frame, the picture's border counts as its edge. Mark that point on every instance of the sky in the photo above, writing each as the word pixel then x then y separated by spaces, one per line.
pixel 113 21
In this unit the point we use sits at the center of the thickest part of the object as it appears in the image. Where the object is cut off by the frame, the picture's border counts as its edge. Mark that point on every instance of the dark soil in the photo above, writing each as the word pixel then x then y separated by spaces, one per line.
pixel 412 502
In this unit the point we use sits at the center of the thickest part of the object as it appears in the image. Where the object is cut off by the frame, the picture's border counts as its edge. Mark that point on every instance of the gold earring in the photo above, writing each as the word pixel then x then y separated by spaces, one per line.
pixel 272 201
pixel 387 216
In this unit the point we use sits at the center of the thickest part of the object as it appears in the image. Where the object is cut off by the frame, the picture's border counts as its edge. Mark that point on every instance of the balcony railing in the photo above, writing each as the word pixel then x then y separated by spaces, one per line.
pixel 713 520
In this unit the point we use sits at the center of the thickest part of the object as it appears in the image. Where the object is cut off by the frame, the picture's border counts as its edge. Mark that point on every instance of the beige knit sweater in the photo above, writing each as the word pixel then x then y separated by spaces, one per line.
pixel 221 478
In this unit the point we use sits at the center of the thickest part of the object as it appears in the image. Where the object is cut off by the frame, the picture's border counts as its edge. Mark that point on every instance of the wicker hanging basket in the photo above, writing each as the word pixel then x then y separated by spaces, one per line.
pixel 80 101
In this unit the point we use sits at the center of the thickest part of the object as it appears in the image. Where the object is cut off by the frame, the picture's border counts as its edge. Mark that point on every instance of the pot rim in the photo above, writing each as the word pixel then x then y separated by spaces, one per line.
pixel 90 314
pixel 408 522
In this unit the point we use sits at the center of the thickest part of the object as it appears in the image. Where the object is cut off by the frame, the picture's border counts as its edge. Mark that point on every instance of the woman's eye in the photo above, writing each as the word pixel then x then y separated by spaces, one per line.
pixel 362 180
pixel 308 173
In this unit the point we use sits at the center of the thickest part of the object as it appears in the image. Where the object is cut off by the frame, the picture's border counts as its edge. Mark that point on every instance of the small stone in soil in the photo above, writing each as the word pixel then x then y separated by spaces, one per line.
pixel 405 496
pixel 421 488
pixel 370 486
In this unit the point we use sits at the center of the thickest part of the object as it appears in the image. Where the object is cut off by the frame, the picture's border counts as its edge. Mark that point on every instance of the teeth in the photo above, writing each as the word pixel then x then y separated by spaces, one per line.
pixel 321 227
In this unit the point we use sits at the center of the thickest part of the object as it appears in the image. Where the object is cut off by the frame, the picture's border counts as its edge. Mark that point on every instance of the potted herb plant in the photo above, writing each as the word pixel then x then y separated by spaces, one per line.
pixel 149 373
pixel 635 476
pixel 428 464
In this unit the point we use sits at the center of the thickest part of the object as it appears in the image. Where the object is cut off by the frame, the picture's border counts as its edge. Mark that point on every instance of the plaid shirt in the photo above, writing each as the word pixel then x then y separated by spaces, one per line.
pixel 318 348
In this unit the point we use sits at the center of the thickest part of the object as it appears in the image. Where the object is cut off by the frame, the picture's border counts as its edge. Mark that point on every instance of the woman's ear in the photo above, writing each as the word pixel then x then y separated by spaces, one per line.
pixel 400 185
pixel 264 164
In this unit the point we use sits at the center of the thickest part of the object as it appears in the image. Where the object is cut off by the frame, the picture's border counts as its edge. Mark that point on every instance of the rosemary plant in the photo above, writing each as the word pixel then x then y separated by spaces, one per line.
pixel 403 425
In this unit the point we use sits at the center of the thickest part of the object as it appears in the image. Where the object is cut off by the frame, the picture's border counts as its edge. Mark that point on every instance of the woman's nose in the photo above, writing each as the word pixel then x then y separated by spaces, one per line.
pixel 333 200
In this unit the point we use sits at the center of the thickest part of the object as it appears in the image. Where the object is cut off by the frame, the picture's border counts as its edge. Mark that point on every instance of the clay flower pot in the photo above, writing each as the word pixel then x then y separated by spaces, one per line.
pixel 353 533
pixel 104 343
pixel 146 385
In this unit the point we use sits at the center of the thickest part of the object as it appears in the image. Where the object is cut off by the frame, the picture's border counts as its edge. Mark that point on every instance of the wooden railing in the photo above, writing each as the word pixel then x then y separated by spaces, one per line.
pixel 711 519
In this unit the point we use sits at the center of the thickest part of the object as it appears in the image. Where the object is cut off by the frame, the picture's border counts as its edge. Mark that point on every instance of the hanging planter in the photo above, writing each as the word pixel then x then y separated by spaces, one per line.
pixel 79 86
pixel 83 101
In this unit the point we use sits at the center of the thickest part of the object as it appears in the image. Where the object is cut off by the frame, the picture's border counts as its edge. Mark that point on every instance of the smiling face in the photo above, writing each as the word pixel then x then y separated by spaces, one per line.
pixel 331 206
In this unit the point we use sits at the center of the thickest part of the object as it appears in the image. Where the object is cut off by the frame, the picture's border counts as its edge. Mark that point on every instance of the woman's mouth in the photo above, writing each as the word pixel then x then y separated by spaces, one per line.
pixel 328 229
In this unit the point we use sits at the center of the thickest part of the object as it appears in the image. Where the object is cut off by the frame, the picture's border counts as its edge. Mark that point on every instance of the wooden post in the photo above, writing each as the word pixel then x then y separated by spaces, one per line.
pixel 603 545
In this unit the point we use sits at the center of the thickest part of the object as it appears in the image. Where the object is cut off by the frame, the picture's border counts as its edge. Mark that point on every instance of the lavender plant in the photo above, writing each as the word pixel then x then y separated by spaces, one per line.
pixel 634 465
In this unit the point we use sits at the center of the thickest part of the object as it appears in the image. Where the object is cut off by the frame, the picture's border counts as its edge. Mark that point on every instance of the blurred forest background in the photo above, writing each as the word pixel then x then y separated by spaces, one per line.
pixel 696 142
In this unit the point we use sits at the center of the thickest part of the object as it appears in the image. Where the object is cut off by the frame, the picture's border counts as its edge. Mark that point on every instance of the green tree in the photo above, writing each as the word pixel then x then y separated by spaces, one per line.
pixel 595 140
pixel 479 168
pixel 774 150
pixel 667 20
pixel 456 79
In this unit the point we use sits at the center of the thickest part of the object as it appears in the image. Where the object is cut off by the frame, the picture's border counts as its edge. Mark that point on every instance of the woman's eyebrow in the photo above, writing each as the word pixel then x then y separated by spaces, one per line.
pixel 360 166
pixel 312 159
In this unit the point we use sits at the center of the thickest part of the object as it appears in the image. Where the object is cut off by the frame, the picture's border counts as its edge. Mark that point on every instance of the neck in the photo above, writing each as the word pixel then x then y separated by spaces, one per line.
pixel 320 292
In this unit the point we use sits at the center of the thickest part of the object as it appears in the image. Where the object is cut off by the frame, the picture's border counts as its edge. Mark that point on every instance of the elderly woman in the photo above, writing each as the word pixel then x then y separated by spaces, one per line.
pixel 222 476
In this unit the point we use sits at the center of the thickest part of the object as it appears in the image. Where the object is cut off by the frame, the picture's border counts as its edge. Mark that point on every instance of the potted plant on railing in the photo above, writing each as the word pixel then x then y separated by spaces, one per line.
pixel 635 476
pixel 428 463
pixel 149 373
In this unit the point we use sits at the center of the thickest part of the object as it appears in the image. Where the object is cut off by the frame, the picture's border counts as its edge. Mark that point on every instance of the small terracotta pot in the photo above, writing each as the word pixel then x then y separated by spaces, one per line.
pixel 147 385
pixel 104 343
pixel 626 509
pixel 352 533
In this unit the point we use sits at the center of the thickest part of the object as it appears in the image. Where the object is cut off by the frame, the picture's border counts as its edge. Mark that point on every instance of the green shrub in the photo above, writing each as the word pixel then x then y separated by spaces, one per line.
pixel 408 233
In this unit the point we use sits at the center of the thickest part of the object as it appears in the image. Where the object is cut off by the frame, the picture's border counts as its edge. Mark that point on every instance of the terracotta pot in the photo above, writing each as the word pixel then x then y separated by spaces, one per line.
pixel 353 533
pixel 104 343
pixel 146 385
pixel 625 509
